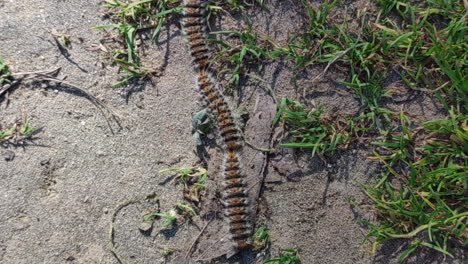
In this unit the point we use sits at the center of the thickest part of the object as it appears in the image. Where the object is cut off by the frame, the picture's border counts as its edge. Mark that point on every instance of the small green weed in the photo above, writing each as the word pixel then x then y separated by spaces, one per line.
pixel 5 74
pixel 261 238
pixel 182 212
pixel 170 217
pixel 186 210
pixel 26 129
pixel 17 131
pixel 196 176
pixel 62 40
pixel 167 251
pixel 287 256
pixel 193 180
pixel 4 135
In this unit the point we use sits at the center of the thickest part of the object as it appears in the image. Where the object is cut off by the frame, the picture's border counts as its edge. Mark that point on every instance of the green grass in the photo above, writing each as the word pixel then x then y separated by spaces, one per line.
pixel 170 218
pixel 131 18
pixel 420 194
pixel 138 16
pixel 426 202
pixel 18 130
pixel 428 57
pixel 234 6
pixel 186 210
pixel 247 53
pixel 260 238
pixel 287 256
pixel 191 176
pixel 5 74
pixel 310 129
pixel 193 180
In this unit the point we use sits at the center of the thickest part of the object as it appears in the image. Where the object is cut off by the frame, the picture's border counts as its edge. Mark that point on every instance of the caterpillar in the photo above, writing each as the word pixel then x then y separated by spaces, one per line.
pixel 234 197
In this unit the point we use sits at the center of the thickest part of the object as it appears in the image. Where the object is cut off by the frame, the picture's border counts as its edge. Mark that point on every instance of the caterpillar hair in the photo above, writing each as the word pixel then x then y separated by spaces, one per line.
pixel 235 192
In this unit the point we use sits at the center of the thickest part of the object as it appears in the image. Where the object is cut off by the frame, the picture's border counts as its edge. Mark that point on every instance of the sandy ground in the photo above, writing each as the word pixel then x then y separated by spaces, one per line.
pixel 58 194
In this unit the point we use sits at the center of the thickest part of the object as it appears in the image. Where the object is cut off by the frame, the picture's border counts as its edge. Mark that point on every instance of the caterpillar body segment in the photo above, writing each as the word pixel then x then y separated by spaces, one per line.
pixel 235 192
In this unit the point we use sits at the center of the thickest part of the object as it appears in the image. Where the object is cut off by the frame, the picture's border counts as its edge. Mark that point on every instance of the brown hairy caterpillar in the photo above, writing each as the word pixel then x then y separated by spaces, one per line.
pixel 234 195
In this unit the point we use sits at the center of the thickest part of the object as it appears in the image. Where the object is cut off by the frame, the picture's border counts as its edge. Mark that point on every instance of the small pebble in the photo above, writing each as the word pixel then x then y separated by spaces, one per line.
pixel 145 226
pixel 9 155
pixel 44 85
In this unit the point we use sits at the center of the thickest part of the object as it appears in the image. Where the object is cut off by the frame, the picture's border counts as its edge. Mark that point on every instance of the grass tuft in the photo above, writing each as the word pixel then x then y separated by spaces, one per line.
pixel 131 18
pixel 311 129
pixel 236 59
pixel 18 131
pixel 420 195
pixel 261 238
pixel 5 74
pixel 287 256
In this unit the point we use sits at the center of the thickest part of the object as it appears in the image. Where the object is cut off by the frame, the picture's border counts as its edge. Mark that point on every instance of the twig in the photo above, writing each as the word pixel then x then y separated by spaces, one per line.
pixel 210 247
pixel 253 146
pixel 112 230
pixel 34 74
pixel 266 85
pixel 257 148
pixel 46 72
pixel 6 87
pixel 328 66
pixel 47 75
pixel 30 135
pixel 339 56
pixel 111 225
pixel 196 239
pixel 92 98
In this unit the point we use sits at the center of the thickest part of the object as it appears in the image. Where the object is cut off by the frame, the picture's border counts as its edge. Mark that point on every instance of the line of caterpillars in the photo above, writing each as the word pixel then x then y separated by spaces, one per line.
pixel 234 195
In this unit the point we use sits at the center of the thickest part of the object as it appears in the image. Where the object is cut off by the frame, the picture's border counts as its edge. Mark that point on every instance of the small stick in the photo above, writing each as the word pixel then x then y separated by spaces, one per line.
pixel 328 66
pixel 46 72
pixel 112 231
pixel 46 75
pixel 205 252
pixel 257 148
pixel 196 239
pixel 253 146
pixel 7 86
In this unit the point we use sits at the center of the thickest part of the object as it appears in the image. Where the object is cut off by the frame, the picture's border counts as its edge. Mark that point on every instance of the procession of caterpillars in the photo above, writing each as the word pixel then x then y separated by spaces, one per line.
pixel 234 195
